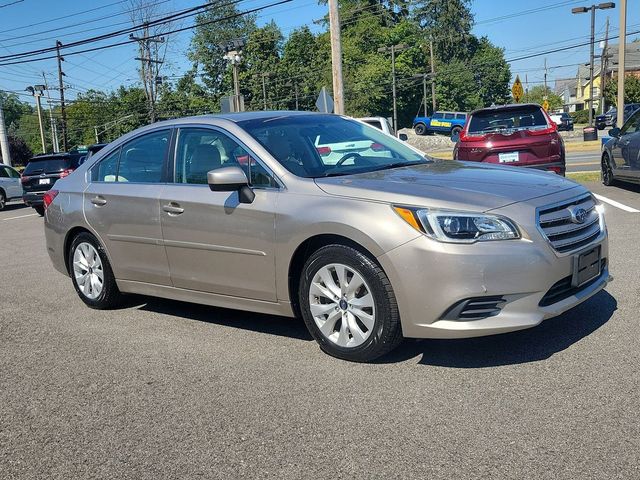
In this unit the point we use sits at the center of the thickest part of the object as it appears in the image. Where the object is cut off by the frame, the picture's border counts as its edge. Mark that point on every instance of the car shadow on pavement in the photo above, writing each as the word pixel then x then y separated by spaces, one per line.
pixel 629 187
pixel 14 206
pixel 256 322
pixel 531 345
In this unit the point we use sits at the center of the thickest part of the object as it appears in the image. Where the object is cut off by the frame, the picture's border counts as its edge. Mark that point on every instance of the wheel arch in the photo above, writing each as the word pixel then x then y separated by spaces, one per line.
pixel 68 239
pixel 307 248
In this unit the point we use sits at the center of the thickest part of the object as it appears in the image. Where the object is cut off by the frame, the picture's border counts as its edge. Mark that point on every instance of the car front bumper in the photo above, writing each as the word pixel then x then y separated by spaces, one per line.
pixel 429 278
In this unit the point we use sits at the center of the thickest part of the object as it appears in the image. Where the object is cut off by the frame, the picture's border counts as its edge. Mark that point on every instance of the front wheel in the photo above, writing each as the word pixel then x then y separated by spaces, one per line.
pixel 91 273
pixel 3 200
pixel 606 173
pixel 348 304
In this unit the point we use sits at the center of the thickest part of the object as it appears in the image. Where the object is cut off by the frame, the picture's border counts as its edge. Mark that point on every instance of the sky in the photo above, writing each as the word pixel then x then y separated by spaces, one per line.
pixel 521 27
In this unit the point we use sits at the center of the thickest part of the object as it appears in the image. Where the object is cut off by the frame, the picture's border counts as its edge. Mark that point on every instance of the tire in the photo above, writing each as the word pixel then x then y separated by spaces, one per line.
pixel 83 246
pixel 456 130
pixel 420 129
pixel 606 173
pixel 39 209
pixel 350 333
pixel 3 200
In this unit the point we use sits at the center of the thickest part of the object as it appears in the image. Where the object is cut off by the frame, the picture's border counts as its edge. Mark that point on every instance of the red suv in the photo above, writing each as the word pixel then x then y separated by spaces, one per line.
pixel 521 135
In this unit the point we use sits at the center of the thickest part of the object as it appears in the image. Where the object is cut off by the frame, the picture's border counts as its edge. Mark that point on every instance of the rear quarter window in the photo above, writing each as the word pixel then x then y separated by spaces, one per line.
pixel 449 116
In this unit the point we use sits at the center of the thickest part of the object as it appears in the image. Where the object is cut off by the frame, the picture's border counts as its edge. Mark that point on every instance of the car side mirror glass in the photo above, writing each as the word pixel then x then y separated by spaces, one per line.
pixel 614 132
pixel 455 136
pixel 403 136
pixel 231 179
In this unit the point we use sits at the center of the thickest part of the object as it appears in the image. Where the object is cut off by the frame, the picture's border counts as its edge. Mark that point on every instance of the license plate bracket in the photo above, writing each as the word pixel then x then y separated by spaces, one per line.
pixel 511 157
pixel 586 266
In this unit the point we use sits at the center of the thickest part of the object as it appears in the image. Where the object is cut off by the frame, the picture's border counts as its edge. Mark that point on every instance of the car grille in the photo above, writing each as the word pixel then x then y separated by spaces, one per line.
pixel 564 289
pixel 475 308
pixel 561 228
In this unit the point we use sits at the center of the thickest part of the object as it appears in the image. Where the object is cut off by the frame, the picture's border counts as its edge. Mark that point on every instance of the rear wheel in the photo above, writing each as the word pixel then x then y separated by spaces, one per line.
pixel 456 130
pixel 348 304
pixel 39 209
pixel 3 200
pixel 91 273
pixel 606 173
pixel 420 129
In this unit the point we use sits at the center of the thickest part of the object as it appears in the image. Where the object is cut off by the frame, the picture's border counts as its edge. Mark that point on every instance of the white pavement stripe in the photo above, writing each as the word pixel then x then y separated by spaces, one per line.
pixel 619 205
pixel 22 216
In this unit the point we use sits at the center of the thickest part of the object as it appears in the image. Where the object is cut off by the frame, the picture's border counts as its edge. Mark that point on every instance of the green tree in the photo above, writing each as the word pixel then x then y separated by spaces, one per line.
pixel 448 23
pixel 301 65
pixel 631 90
pixel 19 151
pixel 537 93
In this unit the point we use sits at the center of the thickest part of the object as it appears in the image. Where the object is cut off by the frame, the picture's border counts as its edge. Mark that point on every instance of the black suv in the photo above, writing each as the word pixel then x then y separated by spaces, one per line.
pixel 41 173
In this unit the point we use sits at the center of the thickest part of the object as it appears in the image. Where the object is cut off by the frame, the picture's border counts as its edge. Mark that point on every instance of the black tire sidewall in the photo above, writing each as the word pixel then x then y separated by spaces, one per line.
pixel 456 129
pixel 420 129
pixel 384 308
pixel 606 172
pixel 3 205
pixel 39 210
pixel 105 299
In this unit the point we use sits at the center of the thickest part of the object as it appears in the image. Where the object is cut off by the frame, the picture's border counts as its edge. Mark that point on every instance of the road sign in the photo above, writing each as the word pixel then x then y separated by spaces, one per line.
pixel 517 90
pixel 545 105
pixel 324 101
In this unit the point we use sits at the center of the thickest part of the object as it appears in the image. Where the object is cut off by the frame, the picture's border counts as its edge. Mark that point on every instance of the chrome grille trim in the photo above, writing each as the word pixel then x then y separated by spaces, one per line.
pixel 556 225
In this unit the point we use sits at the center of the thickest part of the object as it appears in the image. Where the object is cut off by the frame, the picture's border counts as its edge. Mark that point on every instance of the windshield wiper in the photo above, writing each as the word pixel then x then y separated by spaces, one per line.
pixel 401 164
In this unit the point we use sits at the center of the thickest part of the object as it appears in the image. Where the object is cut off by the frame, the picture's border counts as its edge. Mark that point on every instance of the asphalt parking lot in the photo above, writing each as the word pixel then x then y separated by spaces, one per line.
pixel 163 389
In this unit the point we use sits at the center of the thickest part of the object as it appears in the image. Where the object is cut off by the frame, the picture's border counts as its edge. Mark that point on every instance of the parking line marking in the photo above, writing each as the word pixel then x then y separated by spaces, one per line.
pixel 21 216
pixel 619 205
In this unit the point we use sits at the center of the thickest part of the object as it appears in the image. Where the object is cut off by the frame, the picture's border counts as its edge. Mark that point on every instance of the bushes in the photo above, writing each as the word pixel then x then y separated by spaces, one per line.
pixel 581 116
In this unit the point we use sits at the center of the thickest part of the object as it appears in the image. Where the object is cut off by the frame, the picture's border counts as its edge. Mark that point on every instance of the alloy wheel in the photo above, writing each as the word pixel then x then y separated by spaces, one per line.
pixel 342 305
pixel 88 270
pixel 3 202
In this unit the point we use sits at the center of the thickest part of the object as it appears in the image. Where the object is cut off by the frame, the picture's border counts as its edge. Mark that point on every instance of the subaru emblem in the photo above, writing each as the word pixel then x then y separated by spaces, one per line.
pixel 578 215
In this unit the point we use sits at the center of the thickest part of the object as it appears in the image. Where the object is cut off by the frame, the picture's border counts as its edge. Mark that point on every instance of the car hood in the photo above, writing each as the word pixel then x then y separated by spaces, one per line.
pixel 448 184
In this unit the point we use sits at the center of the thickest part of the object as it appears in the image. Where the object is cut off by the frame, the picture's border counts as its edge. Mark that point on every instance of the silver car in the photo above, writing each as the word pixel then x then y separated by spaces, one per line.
pixel 242 211
pixel 10 186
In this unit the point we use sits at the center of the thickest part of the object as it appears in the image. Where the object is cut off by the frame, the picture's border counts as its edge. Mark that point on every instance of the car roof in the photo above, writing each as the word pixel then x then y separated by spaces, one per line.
pixel 509 106
pixel 52 156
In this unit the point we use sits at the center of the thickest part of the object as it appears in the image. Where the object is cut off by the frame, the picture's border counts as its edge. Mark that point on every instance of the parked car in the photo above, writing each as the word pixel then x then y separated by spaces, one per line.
pixel 42 172
pixel 609 119
pixel 440 122
pixel 383 124
pixel 563 120
pixel 520 135
pixel 10 187
pixel 367 249
pixel 621 154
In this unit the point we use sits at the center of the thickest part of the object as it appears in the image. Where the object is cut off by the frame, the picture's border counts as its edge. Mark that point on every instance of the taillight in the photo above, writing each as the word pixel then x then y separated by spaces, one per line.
pixel 378 147
pixel 324 151
pixel 551 126
pixel 48 197
pixel 66 172
pixel 465 137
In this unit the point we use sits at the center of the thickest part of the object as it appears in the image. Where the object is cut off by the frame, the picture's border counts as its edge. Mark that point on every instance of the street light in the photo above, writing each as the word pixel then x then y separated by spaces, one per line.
pixel 592 8
pixel 36 91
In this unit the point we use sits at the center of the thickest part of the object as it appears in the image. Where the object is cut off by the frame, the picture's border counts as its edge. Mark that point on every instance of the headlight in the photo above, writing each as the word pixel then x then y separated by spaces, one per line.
pixel 458 227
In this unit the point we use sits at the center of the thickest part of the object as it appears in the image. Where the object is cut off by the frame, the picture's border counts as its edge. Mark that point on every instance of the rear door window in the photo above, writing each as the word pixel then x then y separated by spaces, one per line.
pixel 507 119
pixel 374 123
pixel 438 115
pixel 142 159
pixel 107 169
pixel 449 116
pixel 461 116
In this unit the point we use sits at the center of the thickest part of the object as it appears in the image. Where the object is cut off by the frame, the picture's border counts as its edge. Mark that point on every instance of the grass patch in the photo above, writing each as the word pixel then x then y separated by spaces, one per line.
pixel 584 177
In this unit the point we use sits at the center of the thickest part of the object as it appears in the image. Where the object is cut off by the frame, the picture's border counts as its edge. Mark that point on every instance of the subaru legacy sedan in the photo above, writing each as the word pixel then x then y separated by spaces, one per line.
pixel 242 211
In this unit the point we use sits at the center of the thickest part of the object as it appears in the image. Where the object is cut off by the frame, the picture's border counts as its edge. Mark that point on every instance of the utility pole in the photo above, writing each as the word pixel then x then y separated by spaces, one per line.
pixel 393 49
pixel 4 140
pixel 295 87
pixel 147 70
pixel 95 130
pixel 264 90
pixel 545 76
pixel 54 128
pixel 336 57
pixel 62 106
pixel 622 46
pixel 433 75
pixel 592 9
pixel 526 85
pixel 36 91
pixel 603 66
pixel 423 77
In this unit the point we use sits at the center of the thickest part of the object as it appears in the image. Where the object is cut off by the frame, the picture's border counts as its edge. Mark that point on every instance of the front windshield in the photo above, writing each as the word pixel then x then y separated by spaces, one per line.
pixel 315 146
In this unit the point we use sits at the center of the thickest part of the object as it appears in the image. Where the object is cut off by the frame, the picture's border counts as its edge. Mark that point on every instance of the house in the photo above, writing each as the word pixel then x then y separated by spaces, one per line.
pixel 566 88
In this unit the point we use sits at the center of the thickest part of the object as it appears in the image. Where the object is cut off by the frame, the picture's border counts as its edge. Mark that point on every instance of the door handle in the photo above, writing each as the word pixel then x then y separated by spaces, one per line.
pixel 173 208
pixel 98 201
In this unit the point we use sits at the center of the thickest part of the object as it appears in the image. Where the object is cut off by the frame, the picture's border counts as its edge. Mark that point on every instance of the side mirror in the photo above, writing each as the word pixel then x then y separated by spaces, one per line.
pixel 614 132
pixel 231 179
pixel 455 136
pixel 403 136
